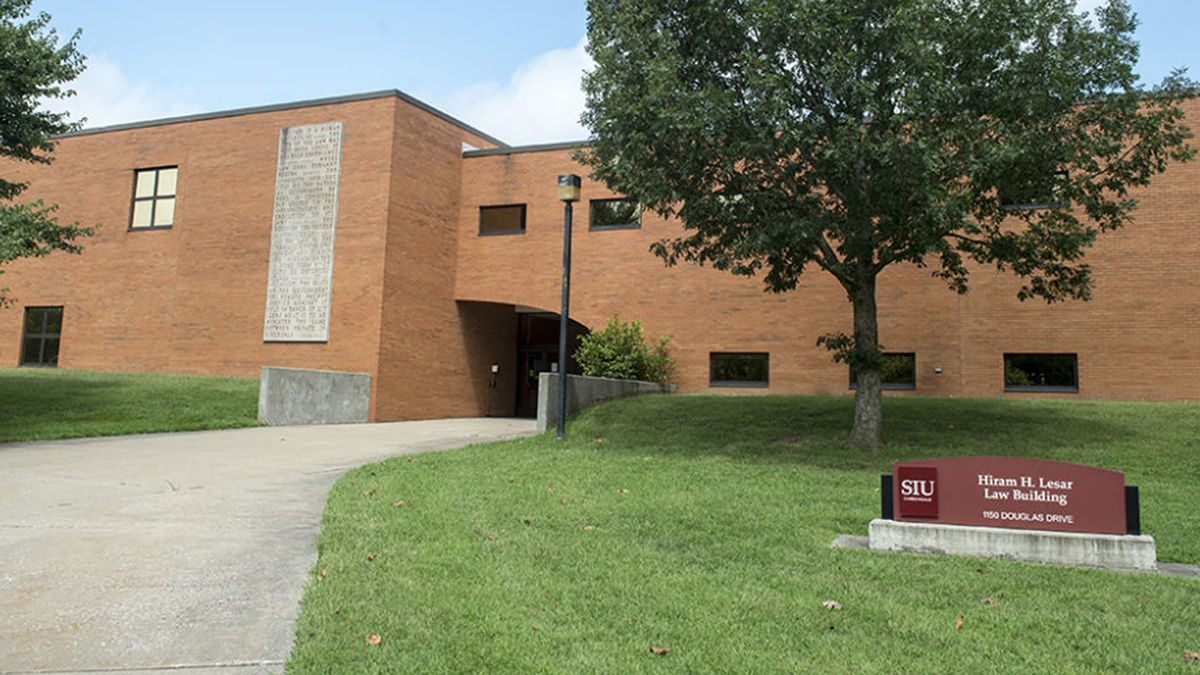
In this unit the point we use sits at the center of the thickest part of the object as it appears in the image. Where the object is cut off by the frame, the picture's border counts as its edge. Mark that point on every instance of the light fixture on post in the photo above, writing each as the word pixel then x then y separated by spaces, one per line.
pixel 568 193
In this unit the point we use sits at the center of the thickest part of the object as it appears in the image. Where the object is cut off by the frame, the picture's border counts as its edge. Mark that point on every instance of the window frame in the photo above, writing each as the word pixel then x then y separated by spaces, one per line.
pixel 1061 179
pixel 42 337
pixel 744 384
pixel 892 386
pixel 622 226
pixel 153 199
pixel 493 207
pixel 1045 388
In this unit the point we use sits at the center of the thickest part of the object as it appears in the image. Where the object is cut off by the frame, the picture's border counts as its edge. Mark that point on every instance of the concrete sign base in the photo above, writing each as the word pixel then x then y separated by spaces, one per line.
pixel 1126 553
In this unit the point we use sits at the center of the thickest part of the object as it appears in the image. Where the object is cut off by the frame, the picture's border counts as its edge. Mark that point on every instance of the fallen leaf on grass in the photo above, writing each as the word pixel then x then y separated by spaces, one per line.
pixel 373 639
pixel 1191 656
pixel 536 627
pixel 958 624
pixel 371 493
pixel 320 575
pixel 988 601
pixel 372 556
pixel 549 489
pixel 623 491
pixel 598 440
pixel 563 502
pixel 589 527
pixel 481 534
pixel 832 605
pixel 660 650
pixel 398 504
pixel 409 459
pixel 645 459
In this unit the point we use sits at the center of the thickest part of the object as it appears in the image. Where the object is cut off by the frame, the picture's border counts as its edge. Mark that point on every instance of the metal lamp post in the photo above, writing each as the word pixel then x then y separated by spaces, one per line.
pixel 568 192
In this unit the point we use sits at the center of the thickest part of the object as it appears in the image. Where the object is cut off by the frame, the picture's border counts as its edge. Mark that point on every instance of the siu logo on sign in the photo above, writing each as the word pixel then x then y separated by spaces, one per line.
pixel 918 492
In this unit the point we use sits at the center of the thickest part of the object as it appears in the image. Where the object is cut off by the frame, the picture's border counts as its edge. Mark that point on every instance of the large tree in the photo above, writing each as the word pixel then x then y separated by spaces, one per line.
pixel 33 69
pixel 851 135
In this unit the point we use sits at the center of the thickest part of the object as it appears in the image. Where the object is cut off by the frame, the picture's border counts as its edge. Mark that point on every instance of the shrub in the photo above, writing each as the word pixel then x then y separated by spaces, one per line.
pixel 620 351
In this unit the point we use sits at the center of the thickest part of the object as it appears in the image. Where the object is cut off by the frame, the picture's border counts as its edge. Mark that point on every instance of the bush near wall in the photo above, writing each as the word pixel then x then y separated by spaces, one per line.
pixel 620 351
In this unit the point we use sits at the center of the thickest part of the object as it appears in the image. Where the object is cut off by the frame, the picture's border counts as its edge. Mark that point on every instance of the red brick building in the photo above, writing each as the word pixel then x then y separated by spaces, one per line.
pixel 445 254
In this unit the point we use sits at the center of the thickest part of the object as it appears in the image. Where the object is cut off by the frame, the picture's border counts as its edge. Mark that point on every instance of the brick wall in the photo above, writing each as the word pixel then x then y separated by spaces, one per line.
pixel 1135 340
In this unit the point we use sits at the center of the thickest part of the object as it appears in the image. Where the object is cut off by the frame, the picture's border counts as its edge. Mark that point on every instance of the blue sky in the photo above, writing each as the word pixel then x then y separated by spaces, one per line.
pixel 509 67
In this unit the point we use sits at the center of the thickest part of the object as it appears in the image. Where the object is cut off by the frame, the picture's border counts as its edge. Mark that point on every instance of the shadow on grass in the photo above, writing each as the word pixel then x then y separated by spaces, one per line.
pixel 812 430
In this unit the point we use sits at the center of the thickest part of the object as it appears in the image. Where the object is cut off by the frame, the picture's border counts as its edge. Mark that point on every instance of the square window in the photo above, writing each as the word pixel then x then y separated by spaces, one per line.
pixel 739 370
pixel 1041 372
pixel 615 214
pixel 153 198
pixel 509 219
pixel 898 371
pixel 43 328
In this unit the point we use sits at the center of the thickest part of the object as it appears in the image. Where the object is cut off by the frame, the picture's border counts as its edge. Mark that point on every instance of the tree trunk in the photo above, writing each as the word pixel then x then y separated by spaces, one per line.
pixel 868 396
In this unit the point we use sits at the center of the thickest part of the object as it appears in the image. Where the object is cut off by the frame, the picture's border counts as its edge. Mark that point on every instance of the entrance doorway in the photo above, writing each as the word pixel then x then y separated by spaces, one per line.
pixel 537 353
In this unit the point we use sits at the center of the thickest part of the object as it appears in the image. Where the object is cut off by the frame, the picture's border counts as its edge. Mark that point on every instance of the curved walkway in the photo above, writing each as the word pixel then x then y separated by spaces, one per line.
pixel 163 552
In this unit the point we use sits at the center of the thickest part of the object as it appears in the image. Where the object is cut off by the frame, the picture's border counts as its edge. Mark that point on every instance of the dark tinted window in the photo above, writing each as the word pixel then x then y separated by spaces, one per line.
pixel 899 371
pixel 1041 372
pixel 39 345
pixel 613 214
pixel 739 370
pixel 502 219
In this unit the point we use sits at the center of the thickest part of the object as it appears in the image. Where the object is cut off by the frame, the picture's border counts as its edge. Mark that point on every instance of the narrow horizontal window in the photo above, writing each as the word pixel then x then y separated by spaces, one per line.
pixel 615 214
pixel 898 371
pixel 153 198
pixel 508 219
pixel 1025 195
pixel 43 329
pixel 739 370
pixel 1041 372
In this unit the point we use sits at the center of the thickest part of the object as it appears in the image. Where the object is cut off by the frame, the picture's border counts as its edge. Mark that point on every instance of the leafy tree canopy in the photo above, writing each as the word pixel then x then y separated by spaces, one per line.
pixel 853 134
pixel 34 66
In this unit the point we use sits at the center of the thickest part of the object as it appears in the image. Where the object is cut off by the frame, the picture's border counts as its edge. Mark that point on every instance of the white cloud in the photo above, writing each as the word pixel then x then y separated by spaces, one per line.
pixel 106 96
pixel 540 103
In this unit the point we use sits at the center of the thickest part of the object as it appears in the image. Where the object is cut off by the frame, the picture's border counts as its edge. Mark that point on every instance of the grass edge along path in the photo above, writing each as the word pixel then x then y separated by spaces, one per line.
pixel 701 524
pixel 48 403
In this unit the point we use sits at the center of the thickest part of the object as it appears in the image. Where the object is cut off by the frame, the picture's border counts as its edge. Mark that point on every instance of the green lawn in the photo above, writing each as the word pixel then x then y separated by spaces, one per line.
pixel 702 525
pixel 45 403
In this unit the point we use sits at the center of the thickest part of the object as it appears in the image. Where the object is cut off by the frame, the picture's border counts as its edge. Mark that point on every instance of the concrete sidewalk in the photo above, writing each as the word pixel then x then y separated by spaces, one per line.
pixel 153 553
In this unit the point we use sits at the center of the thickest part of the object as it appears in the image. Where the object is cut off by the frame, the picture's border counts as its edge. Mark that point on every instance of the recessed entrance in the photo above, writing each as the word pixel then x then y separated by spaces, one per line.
pixel 537 353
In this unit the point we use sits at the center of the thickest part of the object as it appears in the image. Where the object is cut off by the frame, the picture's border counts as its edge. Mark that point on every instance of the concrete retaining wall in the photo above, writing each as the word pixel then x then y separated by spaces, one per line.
pixel 1127 553
pixel 583 392
pixel 296 396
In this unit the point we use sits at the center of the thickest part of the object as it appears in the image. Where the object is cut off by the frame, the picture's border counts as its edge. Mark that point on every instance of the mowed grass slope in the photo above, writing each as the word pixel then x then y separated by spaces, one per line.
pixel 702 525
pixel 46 403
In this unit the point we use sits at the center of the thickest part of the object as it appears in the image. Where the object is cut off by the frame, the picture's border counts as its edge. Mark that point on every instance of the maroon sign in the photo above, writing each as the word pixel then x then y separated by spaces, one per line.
pixel 916 487
pixel 1028 494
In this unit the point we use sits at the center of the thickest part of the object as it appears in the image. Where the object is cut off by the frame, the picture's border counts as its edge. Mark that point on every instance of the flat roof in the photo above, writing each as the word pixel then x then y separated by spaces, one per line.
pixel 312 103
pixel 514 150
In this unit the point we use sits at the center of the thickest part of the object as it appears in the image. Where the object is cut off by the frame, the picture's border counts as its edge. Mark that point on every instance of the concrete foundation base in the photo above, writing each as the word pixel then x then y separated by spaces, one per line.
pixel 1127 553
pixel 298 396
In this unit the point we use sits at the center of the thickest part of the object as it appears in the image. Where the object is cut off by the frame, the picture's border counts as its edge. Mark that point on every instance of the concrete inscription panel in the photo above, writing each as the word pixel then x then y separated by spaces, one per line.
pixel 300 280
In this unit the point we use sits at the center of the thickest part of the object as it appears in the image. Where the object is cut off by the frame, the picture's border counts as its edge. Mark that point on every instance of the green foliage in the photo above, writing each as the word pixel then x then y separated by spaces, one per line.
pixel 702 524
pixel 33 69
pixel 620 351
pixel 851 135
